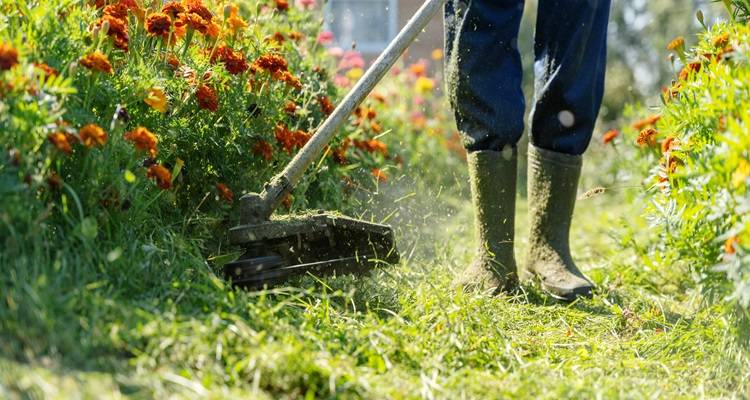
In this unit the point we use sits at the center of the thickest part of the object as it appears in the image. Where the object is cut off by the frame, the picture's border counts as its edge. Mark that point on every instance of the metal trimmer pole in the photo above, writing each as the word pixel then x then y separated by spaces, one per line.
pixel 259 207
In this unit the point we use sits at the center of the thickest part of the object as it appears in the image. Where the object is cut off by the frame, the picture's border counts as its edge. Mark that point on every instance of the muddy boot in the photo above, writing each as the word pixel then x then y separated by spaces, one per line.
pixel 493 191
pixel 553 183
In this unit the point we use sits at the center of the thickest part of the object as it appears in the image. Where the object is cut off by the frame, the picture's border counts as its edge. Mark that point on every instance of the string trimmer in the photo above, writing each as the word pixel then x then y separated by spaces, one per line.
pixel 279 248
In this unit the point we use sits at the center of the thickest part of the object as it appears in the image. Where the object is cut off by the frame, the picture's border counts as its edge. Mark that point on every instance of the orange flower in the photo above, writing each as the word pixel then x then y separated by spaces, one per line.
pixel 60 141
pixel 418 69
pixel 379 97
pixel 371 113
pixel 676 43
pixel 173 9
pixel 282 5
pixel 646 122
pixel 143 140
pixel 49 71
pixel 272 63
pixel 721 40
pixel 161 175
pixel 236 23
pixel 263 149
pixel 234 61
pixel 668 143
pixel 688 69
pixel 98 62
pixel 647 137
pixel 610 135
pixel 729 245
pixel 290 107
pixel 116 18
pixel 225 193
pixel 325 105
pixel 295 35
pixel 339 153
pixel 289 140
pixel 206 97
pixel 372 146
pixel 92 135
pixel 289 79
pixel 8 56
pixel 173 61
pixel 158 24
pixel 379 175
pixel 376 127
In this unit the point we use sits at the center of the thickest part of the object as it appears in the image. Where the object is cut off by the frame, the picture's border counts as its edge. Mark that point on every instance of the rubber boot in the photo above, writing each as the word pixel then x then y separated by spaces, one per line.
pixel 553 183
pixel 492 176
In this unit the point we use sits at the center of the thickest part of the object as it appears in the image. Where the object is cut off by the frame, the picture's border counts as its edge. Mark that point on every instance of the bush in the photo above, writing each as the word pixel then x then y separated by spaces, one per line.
pixel 130 128
pixel 698 146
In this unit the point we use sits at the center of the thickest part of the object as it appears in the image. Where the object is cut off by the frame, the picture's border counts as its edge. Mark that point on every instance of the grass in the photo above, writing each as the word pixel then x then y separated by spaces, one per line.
pixel 404 332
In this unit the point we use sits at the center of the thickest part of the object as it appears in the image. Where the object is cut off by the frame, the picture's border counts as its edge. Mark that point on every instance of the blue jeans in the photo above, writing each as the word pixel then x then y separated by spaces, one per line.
pixel 484 72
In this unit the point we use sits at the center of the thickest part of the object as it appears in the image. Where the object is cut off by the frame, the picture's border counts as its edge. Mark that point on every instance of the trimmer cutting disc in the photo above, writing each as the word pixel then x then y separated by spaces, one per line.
pixel 321 244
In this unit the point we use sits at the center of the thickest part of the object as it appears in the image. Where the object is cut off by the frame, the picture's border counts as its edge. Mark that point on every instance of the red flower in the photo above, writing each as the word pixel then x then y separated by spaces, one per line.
pixel 233 61
pixel 207 98
pixel 161 175
pixel 263 149
pixel 158 24
pixel 143 140
pixel 8 57
pixel 225 193
pixel 610 135
pixel 97 61
pixel 325 105
pixel 92 135
pixel 282 5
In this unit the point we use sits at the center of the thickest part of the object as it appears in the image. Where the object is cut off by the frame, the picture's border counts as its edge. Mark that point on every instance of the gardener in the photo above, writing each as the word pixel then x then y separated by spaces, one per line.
pixel 484 82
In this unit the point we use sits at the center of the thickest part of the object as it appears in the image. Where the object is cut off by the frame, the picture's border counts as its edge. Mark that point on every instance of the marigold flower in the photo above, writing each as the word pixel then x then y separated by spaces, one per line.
pixel 234 61
pixel 49 71
pixel 54 181
pixel 676 43
pixel 372 146
pixel 647 137
pixel 729 245
pixel 225 193
pixel 143 140
pixel 8 56
pixel 158 24
pixel 60 141
pixel 339 153
pixel 236 23
pixel 282 5
pixel 115 17
pixel 98 62
pixel 651 120
pixel 157 99
pixel 206 97
pixel 288 139
pixel 92 135
pixel 173 9
pixel 379 97
pixel 371 113
pixel 721 40
pixel 173 61
pixel 326 105
pixel 289 79
pixel 437 54
pixel 161 175
pixel 295 35
pixel 271 63
pixel 379 175
pixel 688 69
pixel 376 127
pixel 290 107
pixel 610 136
pixel 668 144
pixel 263 149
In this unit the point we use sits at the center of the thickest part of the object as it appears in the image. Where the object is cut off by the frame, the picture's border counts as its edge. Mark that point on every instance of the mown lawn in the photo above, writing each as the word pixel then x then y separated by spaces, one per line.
pixel 402 333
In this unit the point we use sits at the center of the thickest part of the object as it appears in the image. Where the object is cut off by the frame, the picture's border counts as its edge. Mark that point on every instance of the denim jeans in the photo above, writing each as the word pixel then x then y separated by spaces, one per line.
pixel 484 72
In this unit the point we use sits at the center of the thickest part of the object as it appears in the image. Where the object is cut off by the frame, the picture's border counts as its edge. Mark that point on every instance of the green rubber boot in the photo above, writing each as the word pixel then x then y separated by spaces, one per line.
pixel 553 183
pixel 493 191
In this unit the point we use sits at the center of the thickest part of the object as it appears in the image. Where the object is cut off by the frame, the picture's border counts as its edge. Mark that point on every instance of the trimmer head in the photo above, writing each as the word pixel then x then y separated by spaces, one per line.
pixel 320 244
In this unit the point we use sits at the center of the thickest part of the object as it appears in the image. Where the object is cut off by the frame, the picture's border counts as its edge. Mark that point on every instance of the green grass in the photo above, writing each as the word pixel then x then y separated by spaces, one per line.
pixel 405 332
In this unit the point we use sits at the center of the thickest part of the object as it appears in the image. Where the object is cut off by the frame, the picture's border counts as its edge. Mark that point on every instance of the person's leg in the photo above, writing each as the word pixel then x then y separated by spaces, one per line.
pixel 484 75
pixel 483 71
pixel 570 51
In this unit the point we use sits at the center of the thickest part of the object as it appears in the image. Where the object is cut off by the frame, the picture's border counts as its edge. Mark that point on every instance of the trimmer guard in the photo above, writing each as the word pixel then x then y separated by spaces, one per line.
pixel 321 244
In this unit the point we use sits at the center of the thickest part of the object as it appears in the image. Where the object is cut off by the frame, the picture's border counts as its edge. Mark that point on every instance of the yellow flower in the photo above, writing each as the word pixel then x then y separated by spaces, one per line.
pixel 437 54
pixel 355 73
pixel 741 174
pixel 424 85
pixel 157 99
